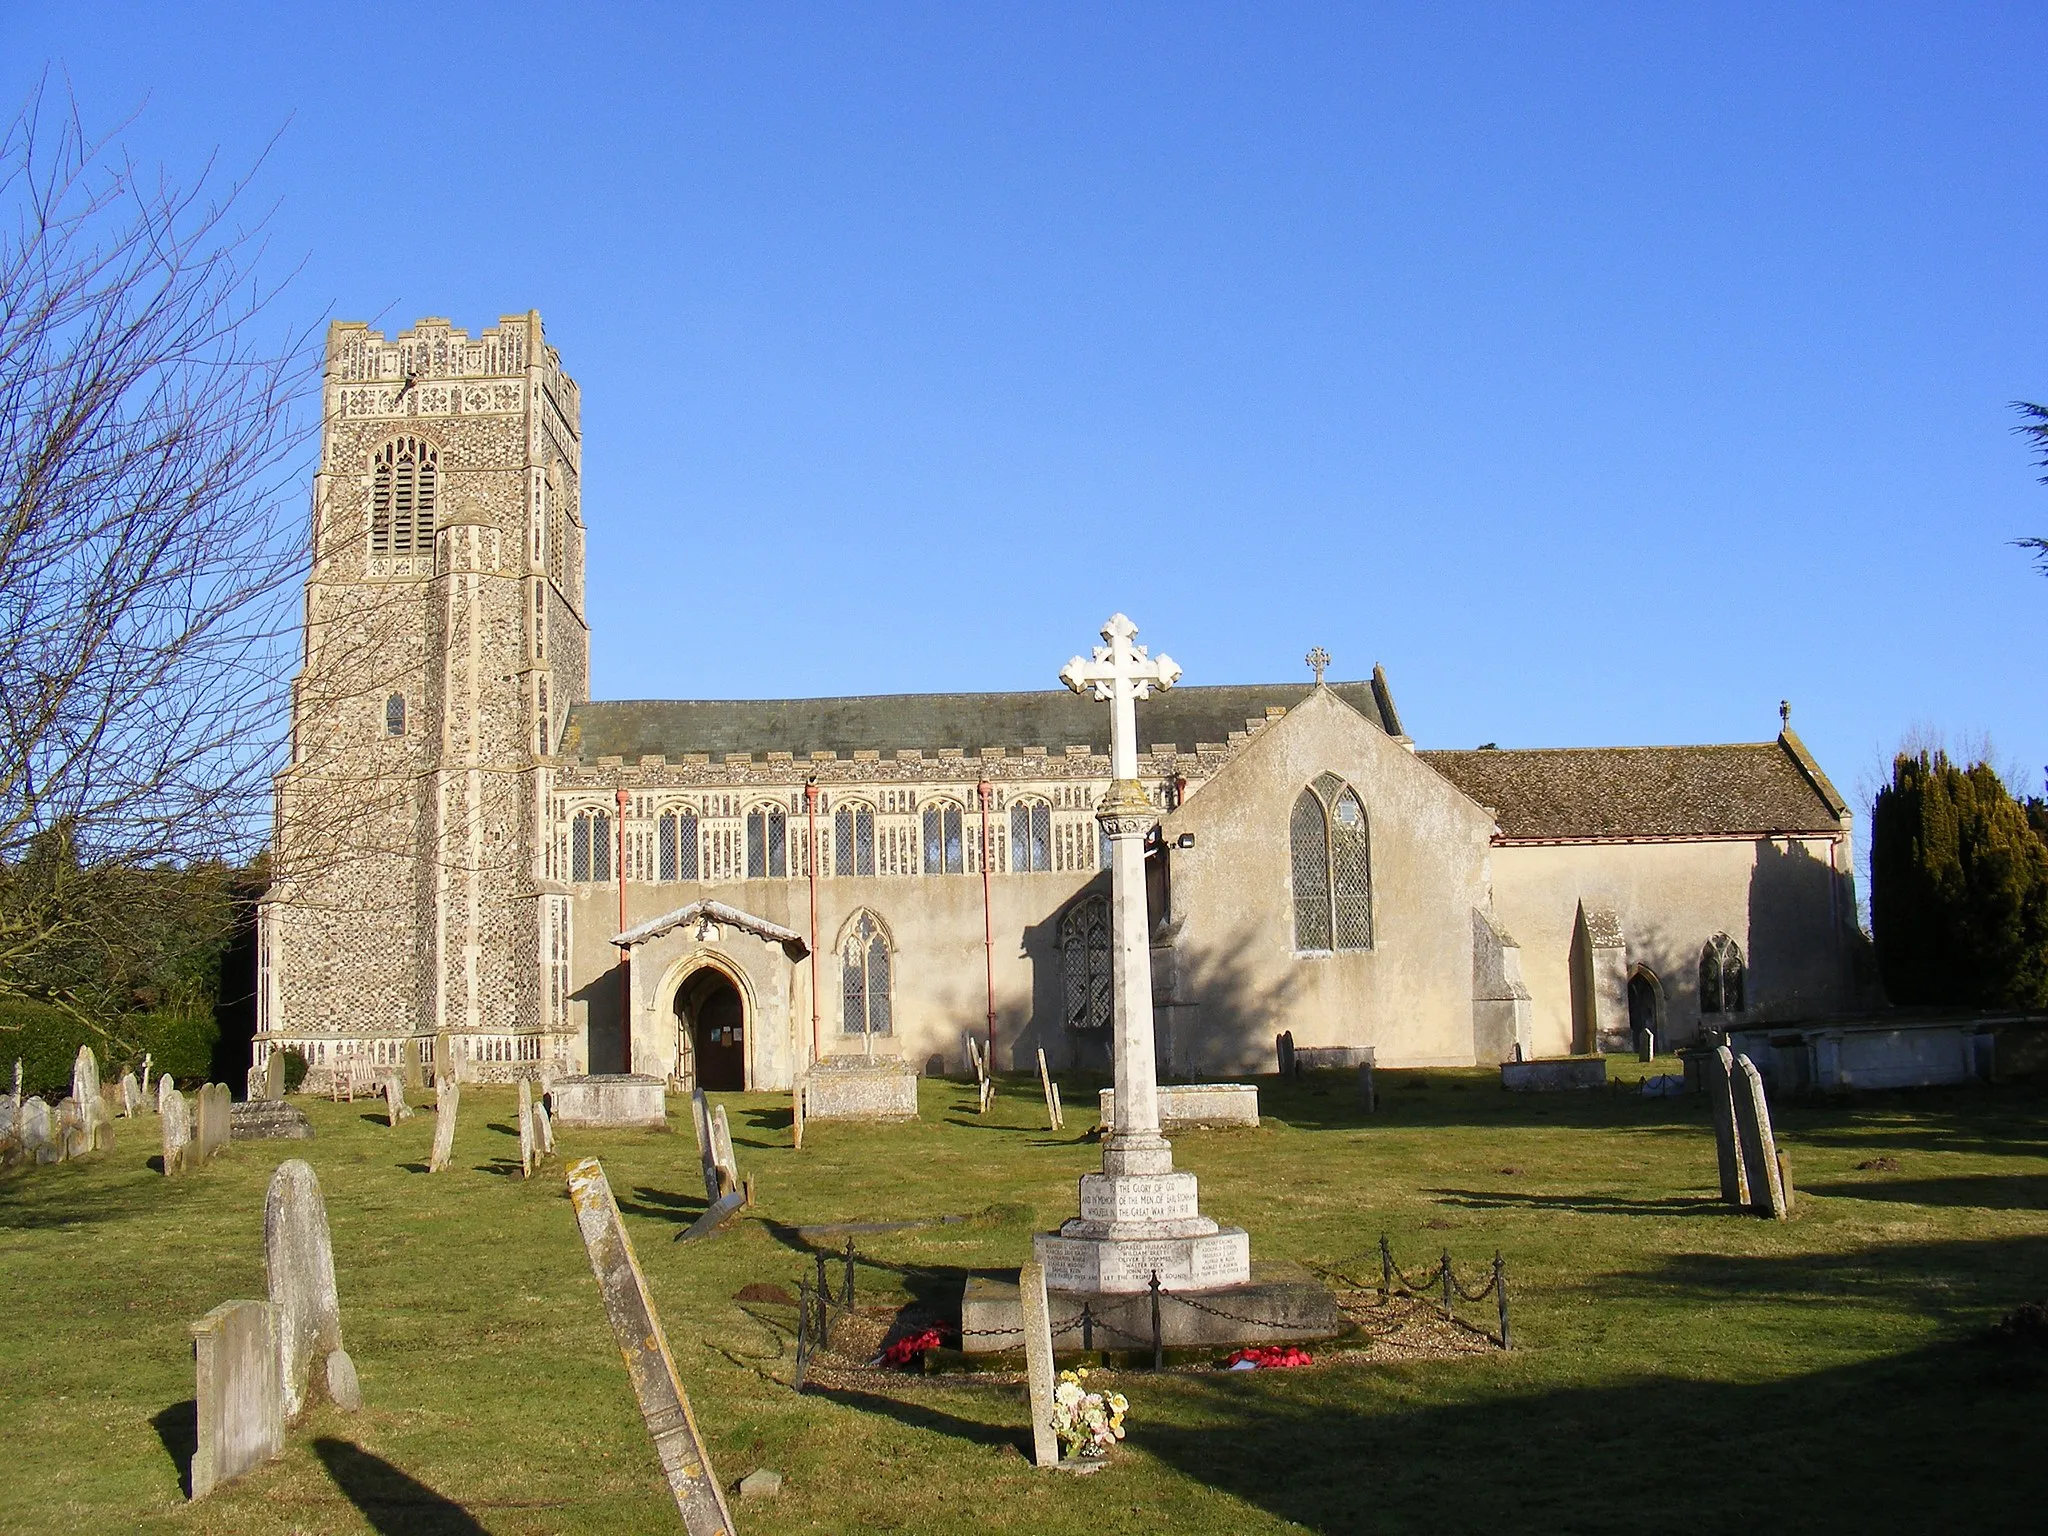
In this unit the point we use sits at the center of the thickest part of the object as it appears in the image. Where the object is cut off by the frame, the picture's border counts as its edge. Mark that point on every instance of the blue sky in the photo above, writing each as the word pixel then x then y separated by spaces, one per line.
pixel 1607 374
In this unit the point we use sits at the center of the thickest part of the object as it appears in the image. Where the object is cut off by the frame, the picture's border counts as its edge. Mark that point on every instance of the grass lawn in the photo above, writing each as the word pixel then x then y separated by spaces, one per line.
pixel 1677 1366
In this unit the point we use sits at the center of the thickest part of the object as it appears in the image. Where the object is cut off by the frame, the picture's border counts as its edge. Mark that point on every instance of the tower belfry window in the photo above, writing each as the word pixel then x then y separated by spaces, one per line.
pixel 402 496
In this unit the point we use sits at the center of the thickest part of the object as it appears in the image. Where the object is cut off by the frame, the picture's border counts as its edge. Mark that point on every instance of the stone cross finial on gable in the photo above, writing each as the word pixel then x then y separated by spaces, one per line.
pixel 1785 714
pixel 1318 661
pixel 1120 674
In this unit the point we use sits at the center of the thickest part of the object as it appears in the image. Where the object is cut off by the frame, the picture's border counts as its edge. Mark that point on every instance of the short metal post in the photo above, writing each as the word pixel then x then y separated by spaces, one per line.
pixel 1447 1285
pixel 847 1299
pixel 803 1332
pixel 1087 1326
pixel 824 1307
pixel 1386 1267
pixel 1158 1342
pixel 1500 1289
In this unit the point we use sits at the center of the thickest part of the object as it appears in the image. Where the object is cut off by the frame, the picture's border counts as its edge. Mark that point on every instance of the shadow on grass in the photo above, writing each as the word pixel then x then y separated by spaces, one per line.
pixel 663 1205
pixel 1985 1192
pixel 1591 1205
pixel 178 1428
pixel 939 1422
pixel 394 1503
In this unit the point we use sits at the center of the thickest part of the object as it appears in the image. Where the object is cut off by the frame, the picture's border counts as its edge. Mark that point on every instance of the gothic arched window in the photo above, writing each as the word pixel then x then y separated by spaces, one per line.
pixel 590 847
pixel 945 846
pixel 1030 836
pixel 853 840
pixel 1722 978
pixel 402 498
pixel 676 844
pixel 1330 848
pixel 864 977
pixel 767 842
pixel 1085 963
pixel 394 715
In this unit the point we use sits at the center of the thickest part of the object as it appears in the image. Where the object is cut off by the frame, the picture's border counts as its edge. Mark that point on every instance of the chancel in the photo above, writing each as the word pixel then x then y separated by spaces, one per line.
pixel 480 869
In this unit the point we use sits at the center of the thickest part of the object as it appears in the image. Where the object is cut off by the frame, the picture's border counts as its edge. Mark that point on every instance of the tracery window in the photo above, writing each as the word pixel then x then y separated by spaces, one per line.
pixel 394 715
pixel 1085 963
pixel 853 840
pixel 864 978
pixel 403 486
pixel 767 842
pixel 1030 836
pixel 1723 978
pixel 590 847
pixel 675 854
pixel 1330 847
pixel 945 846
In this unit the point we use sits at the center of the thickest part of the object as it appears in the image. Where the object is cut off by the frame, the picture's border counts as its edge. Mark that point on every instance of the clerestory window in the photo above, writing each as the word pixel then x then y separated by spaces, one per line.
pixel 767 843
pixel 590 847
pixel 676 845
pixel 945 845
pixel 402 496
pixel 1030 836
pixel 1331 852
pixel 853 840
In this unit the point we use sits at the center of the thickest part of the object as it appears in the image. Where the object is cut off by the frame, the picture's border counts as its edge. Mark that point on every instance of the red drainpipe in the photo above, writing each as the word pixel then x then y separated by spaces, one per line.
pixel 625 955
pixel 988 922
pixel 811 812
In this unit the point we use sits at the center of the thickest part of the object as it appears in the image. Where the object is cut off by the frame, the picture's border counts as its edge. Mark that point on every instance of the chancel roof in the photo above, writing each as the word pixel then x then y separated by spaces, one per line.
pixel 1749 788
pixel 1183 717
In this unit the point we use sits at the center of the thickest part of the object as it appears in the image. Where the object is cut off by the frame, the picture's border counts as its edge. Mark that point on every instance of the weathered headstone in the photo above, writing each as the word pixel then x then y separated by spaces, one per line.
pixel 131 1095
pixel 414 1076
pixel 174 1120
pixel 273 1075
pixel 1785 1178
pixel 707 1155
pixel 1646 1045
pixel 663 1403
pixel 34 1130
pixel 796 1114
pixel 544 1130
pixel 1759 1149
pixel 215 1106
pixel 447 1095
pixel 85 1076
pixel 527 1156
pixel 241 1413
pixel 395 1107
pixel 69 1131
pixel 1283 1049
pixel 148 1062
pixel 1718 1068
pixel 1052 1103
pixel 17 1082
pixel 298 1262
pixel 10 1122
pixel 1045 1441
pixel 721 1152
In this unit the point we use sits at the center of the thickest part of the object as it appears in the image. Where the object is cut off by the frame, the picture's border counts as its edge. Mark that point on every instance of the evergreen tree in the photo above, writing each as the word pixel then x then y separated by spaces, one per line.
pixel 1959 888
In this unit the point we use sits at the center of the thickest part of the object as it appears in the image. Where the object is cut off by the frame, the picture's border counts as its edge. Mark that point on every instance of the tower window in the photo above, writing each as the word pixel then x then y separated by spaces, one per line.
pixel 402 498
pixel 394 715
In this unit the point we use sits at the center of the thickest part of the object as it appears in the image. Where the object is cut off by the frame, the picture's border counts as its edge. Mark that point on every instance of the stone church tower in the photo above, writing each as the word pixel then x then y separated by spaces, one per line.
pixel 444 644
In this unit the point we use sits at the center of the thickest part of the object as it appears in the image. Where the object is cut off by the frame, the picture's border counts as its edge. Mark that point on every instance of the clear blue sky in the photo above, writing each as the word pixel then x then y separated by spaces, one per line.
pixel 1606 373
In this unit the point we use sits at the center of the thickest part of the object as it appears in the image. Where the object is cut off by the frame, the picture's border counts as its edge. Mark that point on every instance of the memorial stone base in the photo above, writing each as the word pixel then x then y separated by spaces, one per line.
pixel 1277 1303
pixel 610 1102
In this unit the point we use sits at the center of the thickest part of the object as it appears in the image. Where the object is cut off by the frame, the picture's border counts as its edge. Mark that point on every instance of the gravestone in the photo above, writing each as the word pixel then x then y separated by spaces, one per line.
pixel 1045 1441
pixel 268 1120
pixel 17 1082
pixel 298 1262
pixel 446 1096
pixel 240 1409
pixel 1368 1095
pixel 1052 1103
pixel 707 1155
pixel 1193 1106
pixel 395 1107
pixel 544 1130
pixel 10 1122
pixel 69 1133
pixel 652 1370
pixel 1718 1071
pixel 527 1157
pixel 415 1077
pixel 175 1121
pixel 214 1129
pixel 1646 1045
pixel 253 1082
pixel 34 1130
pixel 273 1075
pixel 1759 1148
pixel 721 1152
pixel 85 1076
pixel 131 1095
pixel 1283 1049
pixel 1785 1177
pixel 148 1062
pixel 796 1113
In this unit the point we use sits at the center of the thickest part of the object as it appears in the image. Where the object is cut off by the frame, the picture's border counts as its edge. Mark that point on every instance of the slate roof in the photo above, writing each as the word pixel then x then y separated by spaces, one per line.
pixel 1750 788
pixel 1055 719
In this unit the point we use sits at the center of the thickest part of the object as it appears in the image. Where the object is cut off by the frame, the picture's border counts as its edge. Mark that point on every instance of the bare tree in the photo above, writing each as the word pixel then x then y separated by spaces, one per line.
pixel 2034 428
pixel 150 427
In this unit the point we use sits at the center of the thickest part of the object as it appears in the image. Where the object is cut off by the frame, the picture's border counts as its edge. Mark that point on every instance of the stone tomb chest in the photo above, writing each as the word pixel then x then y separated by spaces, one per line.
pixel 1196 1106
pixel 610 1102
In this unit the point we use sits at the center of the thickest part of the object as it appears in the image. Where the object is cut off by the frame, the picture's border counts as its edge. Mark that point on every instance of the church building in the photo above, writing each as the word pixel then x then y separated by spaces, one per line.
pixel 477 865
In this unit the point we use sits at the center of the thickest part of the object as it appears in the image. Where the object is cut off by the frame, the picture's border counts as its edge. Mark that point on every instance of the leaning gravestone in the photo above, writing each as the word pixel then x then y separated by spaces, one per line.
pixel 1052 1103
pixel 131 1095
pixel 543 1131
pixel 1759 1148
pixel 721 1152
pixel 240 1409
pixel 34 1130
pixel 527 1157
pixel 298 1260
pixel 1045 1441
pixel 663 1403
pixel 176 1125
pixel 395 1107
pixel 1720 1077
pixel 447 1095
pixel 707 1151
pixel 85 1075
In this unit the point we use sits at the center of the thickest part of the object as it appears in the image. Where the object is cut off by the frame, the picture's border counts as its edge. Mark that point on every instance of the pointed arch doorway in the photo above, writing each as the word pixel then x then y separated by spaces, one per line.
pixel 711 1022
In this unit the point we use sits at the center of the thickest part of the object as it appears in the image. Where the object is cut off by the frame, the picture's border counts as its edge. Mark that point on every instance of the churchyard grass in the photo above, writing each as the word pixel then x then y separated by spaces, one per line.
pixel 1679 1365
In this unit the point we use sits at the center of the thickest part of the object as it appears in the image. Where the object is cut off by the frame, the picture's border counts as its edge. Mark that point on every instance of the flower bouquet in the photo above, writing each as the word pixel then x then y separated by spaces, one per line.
pixel 1088 1424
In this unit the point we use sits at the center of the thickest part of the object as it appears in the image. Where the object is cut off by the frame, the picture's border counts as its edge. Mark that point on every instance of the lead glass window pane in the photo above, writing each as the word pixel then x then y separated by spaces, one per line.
pixel 1350 873
pixel 1309 849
